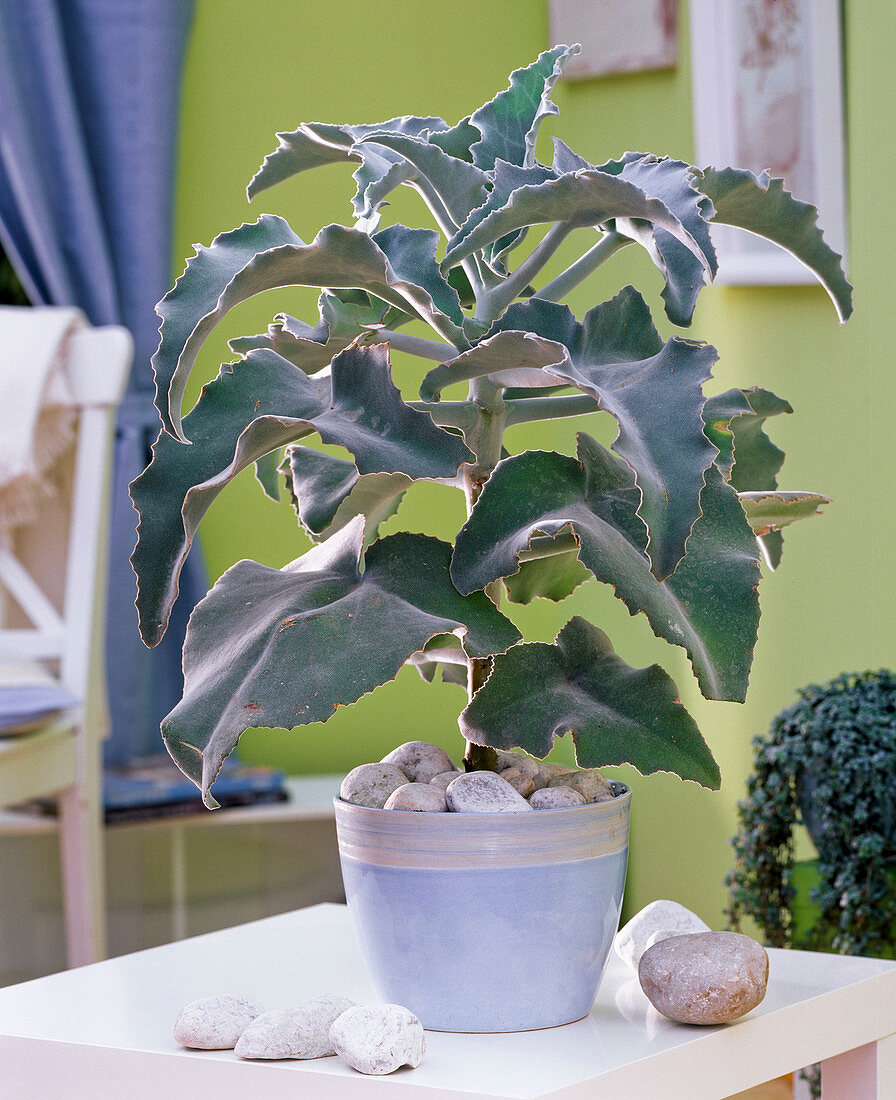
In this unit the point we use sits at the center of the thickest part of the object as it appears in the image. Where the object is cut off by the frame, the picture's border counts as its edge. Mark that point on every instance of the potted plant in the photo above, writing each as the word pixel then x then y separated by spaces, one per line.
pixel 669 515
pixel 829 762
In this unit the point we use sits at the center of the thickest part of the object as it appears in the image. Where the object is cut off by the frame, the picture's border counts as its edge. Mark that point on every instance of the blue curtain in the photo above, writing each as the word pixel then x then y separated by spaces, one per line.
pixel 89 101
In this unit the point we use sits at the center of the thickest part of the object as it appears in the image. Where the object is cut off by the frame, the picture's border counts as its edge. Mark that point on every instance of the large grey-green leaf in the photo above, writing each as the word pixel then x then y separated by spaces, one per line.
pixel 458 186
pixel 442 654
pixel 709 605
pixel 654 391
pixel 748 458
pixel 510 357
pixel 583 198
pixel 329 492
pixel 770 511
pixel 547 571
pixel 616 714
pixel 283 648
pixel 255 407
pixel 509 124
pixel 397 266
pixel 317 143
pixel 760 205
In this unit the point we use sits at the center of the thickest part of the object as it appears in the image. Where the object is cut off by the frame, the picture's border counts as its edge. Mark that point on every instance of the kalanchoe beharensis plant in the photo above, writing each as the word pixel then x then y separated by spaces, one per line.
pixel 669 515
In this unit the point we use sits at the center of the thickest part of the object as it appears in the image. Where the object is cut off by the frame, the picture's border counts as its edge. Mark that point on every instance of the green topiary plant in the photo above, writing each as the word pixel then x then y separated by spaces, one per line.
pixel 828 761
pixel 664 515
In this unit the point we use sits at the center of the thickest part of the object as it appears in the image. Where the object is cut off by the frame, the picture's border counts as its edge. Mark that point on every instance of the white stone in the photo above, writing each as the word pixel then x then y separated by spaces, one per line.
pixel 378 1039
pixel 484 793
pixel 556 798
pixel 704 977
pixel 371 784
pixel 420 760
pixel 294 1032
pixel 546 772
pixel 589 783
pixel 523 784
pixel 418 798
pixel 519 760
pixel 215 1023
pixel 656 921
pixel 443 779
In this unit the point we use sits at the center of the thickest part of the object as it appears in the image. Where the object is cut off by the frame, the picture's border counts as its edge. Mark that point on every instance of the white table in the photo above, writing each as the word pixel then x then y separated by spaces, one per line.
pixel 105 1030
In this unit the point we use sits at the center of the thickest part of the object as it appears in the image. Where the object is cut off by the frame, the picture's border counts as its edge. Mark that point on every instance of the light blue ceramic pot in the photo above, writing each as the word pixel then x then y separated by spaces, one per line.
pixel 486 922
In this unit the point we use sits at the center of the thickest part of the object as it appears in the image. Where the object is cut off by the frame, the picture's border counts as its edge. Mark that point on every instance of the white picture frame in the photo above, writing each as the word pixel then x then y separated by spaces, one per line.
pixel 616 36
pixel 767 90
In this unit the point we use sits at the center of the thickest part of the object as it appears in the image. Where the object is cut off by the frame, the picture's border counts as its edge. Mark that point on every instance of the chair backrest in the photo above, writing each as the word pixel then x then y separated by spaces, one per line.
pixel 52 570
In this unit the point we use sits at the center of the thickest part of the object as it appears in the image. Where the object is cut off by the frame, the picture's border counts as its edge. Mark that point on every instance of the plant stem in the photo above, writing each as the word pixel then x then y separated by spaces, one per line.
pixel 558 288
pixel 493 302
pixel 416 345
pixel 526 409
pixel 485 441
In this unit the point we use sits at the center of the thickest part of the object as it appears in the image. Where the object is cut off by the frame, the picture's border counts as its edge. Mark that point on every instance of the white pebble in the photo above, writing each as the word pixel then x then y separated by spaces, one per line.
pixel 378 1039
pixel 371 784
pixel 589 783
pixel 523 784
pixel 484 793
pixel 556 798
pixel 525 764
pixel 215 1023
pixel 443 779
pixel 420 761
pixel 657 921
pixel 294 1032
pixel 418 798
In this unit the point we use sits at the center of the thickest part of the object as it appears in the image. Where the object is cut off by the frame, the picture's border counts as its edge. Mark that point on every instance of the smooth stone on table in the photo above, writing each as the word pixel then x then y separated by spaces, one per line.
pixel 657 921
pixel 704 977
pixel 484 793
pixel 556 798
pixel 547 772
pixel 378 1039
pixel 371 784
pixel 443 779
pixel 418 798
pixel 294 1032
pixel 590 784
pixel 518 760
pixel 215 1023
pixel 521 782
pixel 420 760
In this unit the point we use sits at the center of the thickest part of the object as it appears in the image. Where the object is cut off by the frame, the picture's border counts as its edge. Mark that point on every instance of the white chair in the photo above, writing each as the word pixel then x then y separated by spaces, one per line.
pixel 52 612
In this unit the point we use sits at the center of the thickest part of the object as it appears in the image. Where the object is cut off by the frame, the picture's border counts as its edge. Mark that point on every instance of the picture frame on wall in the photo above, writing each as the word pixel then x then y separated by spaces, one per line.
pixel 616 36
pixel 768 94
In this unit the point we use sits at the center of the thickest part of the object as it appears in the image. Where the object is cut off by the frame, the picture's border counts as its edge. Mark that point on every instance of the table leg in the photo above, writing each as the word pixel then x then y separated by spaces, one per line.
pixel 866 1073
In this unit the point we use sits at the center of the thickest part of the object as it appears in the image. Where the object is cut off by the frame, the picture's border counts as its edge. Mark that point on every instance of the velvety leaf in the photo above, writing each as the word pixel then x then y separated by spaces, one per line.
pixel 257 406
pixel 615 714
pixel 510 358
pixel 709 605
pixel 317 143
pixel 718 412
pixel 584 198
pixel 457 140
pixel 283 648
pixel 756 459
pixel 552 577
pixel 445 655
pixel 770 511
pixel 268 254
pixel 458 186
pixel 329 492
pixel 617 356
pixel 267 474
pixel 684 273
pixel 509 124
pixel 309 349
pixel 761 205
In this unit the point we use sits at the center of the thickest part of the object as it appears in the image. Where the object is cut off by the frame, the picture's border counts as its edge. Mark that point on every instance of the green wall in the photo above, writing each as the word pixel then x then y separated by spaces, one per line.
pixel 255 68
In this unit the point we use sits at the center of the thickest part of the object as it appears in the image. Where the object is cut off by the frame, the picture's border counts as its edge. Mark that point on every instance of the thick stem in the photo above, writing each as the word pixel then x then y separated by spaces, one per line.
pixel 485 441
pixel 416 345
pixel 493 302
pixel 558 288
pixel 527 409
